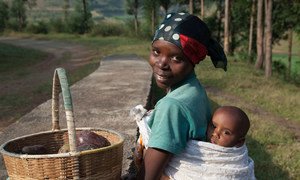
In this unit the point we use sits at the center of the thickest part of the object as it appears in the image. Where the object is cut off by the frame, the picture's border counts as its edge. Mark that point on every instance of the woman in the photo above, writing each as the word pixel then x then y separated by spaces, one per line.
pixel 181 42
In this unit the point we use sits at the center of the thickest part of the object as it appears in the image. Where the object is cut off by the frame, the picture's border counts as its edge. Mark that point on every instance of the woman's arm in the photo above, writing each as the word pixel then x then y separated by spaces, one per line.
pixel 154 163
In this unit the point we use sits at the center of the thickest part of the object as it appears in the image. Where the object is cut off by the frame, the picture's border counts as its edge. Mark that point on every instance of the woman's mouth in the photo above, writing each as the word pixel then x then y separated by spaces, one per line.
pixel 161 78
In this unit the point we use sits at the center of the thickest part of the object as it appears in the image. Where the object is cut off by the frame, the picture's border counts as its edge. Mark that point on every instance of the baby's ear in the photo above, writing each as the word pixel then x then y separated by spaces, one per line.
pixel 240 142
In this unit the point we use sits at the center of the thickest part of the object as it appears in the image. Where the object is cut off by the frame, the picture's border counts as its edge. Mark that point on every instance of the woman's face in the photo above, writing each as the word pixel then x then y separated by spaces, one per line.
pixel 169 64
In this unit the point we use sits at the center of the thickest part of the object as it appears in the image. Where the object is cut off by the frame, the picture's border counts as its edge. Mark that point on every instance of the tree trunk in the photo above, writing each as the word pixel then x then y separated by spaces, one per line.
pixel 66 9
pixel 84 8
pixel 259 35
pixel 268 68
pixel 136 22
pixel 202 9
pixel 226 27
pixel 191 6
pixel 153 20
pixel 251 30
pixel 290 40
pixel 219 20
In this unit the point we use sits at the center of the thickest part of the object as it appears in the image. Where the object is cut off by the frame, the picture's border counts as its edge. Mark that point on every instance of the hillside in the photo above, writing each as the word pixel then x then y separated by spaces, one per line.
pixel 46 9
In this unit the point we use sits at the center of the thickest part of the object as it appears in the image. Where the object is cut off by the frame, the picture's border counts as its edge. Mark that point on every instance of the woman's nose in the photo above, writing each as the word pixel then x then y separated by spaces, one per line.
pixel 163 62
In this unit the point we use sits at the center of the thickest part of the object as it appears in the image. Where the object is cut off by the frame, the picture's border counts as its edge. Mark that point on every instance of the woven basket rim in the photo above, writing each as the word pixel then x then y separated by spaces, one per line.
pixel 59 155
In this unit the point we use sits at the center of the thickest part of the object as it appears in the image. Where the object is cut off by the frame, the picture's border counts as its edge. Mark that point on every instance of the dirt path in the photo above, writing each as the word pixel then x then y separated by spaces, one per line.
pixel 60 54
pixel 102 100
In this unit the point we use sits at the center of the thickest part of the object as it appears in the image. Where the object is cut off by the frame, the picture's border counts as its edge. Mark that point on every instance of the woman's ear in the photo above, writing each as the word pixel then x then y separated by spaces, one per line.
pixel 240 142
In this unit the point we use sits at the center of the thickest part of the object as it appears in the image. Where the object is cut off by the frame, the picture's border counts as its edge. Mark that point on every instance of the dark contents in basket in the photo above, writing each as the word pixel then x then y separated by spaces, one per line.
pixel 86 140
pixel 34 149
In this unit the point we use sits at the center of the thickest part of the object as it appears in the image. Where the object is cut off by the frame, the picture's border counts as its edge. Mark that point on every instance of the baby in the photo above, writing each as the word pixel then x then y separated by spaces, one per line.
pixel 228 127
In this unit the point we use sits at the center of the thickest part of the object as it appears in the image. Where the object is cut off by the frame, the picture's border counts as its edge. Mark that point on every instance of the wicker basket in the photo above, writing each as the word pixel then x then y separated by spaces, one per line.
pixel 101 163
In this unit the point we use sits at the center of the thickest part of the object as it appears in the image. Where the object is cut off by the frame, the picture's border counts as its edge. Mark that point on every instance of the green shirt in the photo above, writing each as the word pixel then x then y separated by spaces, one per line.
pixel 180 116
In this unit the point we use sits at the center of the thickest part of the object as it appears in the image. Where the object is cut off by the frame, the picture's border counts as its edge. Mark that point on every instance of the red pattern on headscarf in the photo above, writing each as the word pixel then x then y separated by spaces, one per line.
pixel 193 49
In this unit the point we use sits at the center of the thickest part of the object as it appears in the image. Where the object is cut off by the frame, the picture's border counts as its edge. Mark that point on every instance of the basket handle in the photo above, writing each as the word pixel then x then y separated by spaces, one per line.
pixel 60 83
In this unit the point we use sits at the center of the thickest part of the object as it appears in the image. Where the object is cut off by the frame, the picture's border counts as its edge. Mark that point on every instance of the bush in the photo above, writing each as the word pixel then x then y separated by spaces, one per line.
pixel 109 28
pixel 57 25
pixel 13 24
pixel 39 27
pixel 3 15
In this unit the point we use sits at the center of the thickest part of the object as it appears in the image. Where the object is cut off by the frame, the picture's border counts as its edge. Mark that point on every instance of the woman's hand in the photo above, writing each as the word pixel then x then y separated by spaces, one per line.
pixel 154 164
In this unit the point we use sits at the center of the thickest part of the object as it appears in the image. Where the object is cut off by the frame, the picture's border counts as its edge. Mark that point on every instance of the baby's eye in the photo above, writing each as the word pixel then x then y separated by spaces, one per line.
pixel 227 132
pixel 212 125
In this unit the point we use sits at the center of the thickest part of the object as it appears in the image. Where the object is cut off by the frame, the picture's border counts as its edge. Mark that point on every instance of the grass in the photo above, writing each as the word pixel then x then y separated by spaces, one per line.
pixel 15 58
pixel 295 62
pixel 241 79
pixel 274 149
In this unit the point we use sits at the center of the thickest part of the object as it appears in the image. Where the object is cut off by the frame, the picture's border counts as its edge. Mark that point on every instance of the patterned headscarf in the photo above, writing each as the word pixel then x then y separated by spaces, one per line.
pixel 191 35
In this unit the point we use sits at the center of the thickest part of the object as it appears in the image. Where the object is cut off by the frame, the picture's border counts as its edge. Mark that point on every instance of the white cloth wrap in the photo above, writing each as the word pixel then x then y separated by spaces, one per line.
pixel 202 160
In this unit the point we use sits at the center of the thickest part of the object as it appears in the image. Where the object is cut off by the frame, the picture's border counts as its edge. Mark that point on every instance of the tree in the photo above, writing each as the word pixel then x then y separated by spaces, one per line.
pixel 251 29
pixel 132 7
pixel 268 39
pixel 239 28
pixel 259 35
pixel 202 9
pixel 191 6
pixel 81 19
pixel 290 41
pixel 165 4
pixel 66 9
pixel 285 20
pixel 150 9
pixel 3 15
pixel 18 14
pixel 226 27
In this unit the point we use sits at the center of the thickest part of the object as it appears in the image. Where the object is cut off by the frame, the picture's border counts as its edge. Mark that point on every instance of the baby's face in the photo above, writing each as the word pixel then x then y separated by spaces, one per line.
pixel 223 130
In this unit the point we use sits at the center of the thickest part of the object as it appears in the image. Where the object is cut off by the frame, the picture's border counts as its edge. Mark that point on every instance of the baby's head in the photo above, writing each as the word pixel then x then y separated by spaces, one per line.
pixel 228 127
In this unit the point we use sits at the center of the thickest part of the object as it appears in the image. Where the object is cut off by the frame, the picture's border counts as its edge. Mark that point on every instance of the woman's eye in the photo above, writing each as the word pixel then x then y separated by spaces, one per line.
pixel 155 52
pixel 176 59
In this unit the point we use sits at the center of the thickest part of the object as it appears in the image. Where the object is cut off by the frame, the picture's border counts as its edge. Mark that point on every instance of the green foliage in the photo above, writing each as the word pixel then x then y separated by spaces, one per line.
pixel 286 14
pixel 150 12
pixel 80 21
pixel 165 4
pixel 132 6
pixel 18 14
pixel 3 15
pixel 57 25
pixel 13 24
pixel 240 13
pixel 280 64
pixel 109 28
pixel 38 27
pixel 213 25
